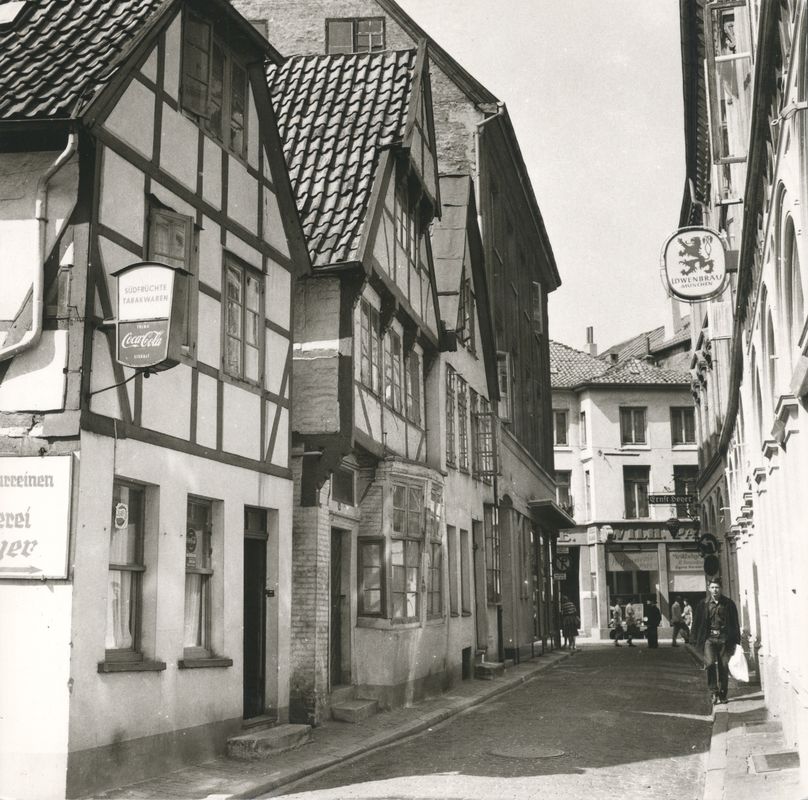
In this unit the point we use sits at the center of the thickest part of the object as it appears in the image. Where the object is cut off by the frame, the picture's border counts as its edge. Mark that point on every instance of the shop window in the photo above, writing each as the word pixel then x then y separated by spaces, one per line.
pixel 214 85
pixel 392 371
pixel 370 570
pixel 560 434
pixel 358 35
pixel 493 569
pixel 632 425
pixel 413 380
pixel 172 241
pixel 126 568
pixel 683 425
pixel 635 485
pixel 462 425
pixel 504 376
pixel 243 322
pixel 369 347
pixel 450 415
pixel 198 578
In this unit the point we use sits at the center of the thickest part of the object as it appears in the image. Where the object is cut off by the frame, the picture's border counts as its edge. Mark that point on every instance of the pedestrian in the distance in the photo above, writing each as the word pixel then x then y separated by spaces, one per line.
pixel 653 618
pixel 717 631
pixel 616 622
pixel 677 622
pixel 570 621
pixel 631 622
pixel 687 616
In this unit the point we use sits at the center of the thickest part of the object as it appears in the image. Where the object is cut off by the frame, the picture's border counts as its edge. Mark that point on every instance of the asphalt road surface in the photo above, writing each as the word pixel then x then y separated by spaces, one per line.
pixel 606 724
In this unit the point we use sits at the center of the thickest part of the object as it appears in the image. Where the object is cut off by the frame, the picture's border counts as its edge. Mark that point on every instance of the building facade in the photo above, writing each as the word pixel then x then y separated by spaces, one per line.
pixel 745 134
pixel 157 503
pixel 623 431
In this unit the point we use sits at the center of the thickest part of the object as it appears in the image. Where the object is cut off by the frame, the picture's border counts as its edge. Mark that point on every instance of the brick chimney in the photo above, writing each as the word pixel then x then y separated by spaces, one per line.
pixel 591 347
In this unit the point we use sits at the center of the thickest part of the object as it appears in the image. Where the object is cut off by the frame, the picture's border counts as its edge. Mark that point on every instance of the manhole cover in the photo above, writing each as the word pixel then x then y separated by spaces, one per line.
pixel 772 762
pixel 527 751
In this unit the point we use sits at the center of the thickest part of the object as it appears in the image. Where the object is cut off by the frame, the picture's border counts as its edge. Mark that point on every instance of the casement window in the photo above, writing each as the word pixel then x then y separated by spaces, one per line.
pixel 465 571
pixel 214 85
pixel 451 454
pixel 462 425
pixel 582 431
pixel 684 482
pixel 560 436
pixel 563 496
pixel 466 316
pixel 413 380
pixel 454 569
pixel 434 583
pixel 392 371
pixel 405 551
pixel 406 225
pixel 172 241
pixel 370 574
pixel 683 425
pixel 343 481
pixel 504 376
pixel 198 578
pixel 486 441
pixel 126 568
pixel 635 487
pixel 537 306
pixel 728 40
pixel 632 425
pixel 493 568
pixel 243 322
pixel 369 347
pixel 358 35
pixel 587 495
pixel 474 431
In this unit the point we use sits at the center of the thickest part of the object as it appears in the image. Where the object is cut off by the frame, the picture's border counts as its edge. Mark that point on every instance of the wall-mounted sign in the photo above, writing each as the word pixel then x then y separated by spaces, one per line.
pixel 632 561
pixel 34 517
pixel 148 315
pixel 121 516
pixel 685 561
pixel 672 499
pixel 694 263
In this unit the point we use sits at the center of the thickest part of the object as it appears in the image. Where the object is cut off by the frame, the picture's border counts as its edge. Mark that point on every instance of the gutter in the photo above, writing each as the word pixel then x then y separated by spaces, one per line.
pixel 31 338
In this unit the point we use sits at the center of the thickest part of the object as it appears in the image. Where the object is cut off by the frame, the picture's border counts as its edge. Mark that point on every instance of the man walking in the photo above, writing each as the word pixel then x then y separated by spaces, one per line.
pixel 717 631
pixel 677 623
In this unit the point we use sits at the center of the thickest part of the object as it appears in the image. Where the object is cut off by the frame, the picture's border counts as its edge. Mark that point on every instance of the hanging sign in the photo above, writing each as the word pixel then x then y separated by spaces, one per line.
pixel 149 313
pixel 694 263
pixel 34 517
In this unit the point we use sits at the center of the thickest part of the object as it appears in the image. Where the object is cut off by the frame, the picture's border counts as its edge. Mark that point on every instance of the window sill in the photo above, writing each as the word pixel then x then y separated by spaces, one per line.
pixel 689 446
pixel 146 665
pixel 465 613
pixel 563 448
pixel 204 663
pixel 454 614
pixel 433 622
pixel 635 446
pixel 379 623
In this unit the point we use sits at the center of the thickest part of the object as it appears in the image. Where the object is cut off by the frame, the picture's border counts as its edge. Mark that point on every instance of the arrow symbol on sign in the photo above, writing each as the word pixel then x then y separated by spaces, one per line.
pixel 29 570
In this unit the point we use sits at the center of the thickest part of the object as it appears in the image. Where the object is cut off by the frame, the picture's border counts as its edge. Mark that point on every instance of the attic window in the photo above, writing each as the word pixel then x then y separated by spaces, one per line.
pixel 9 12
pixel 354 35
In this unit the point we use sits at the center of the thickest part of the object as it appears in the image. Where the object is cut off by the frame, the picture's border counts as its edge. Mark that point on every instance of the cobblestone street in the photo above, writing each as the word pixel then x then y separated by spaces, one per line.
pixel 607 723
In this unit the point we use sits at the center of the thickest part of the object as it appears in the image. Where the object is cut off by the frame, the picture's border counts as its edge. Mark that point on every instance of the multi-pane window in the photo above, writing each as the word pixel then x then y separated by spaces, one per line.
pixel 370 573
pixel 450 415
pixel 560 437
pixel 198 576
pixel 462 425
pixel 412 380
pixel 243 334
pixel 563 496
pixel 124 584
pixel 583 433
pixel 452 555
pixel 684 482
pixel 504 373
pixel 359 35
pixel 406 225
pixel 474 431
pixel 369 347
pixel 434 585
pixel 465 571
pixel 486 442
pixel 632 425
pixel 405 550
pixel 392 371
pixel 683 425
pixel 493 569
pixel 635 487
pixel 214 85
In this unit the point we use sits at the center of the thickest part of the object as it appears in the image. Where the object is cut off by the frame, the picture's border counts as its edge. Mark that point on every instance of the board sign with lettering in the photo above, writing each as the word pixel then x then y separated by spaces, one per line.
pixel 34 517
pixel 672 499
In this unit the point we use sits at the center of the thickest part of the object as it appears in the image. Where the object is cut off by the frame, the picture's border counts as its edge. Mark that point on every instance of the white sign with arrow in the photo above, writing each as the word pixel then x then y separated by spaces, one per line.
pixel 34 516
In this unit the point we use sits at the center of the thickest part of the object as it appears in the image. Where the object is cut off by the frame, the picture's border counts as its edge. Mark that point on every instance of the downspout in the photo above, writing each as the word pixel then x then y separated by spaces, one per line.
pixel 478 129
pixel 31 338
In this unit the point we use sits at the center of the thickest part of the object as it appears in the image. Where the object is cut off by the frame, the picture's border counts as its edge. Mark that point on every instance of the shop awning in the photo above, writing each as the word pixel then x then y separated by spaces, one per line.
pixel 551 515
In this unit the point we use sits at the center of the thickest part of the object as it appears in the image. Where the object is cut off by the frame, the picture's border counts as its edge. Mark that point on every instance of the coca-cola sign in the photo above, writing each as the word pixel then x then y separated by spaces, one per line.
pixel 142 344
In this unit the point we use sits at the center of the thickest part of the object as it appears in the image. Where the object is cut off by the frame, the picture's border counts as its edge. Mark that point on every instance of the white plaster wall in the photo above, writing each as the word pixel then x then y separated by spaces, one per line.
pixel 242 422
pixel 120 183
pixel 277 351
pixel 209 334
pixel 242 195
pixel 35 380
pixel 212 173
pixel 177 158
pixel 210 254
pixel 274 231
pixel 132 118
pixel 278 295
pixel 149 67
pixel 111 707
pixel 206 405
pixel 167 402
pixel 171 78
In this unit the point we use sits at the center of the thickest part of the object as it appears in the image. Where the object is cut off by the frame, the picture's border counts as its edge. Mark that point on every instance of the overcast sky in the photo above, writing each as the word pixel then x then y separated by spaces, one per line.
pixel 594 89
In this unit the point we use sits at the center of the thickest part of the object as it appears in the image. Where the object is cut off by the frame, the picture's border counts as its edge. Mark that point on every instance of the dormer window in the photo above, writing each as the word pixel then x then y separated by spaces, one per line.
pixel 354 35
pixel 214 85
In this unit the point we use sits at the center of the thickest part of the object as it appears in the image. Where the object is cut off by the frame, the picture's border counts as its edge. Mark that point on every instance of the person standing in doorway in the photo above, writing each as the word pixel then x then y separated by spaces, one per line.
pixel 653 618
pixel 617 622
pixel 687 617
pixel 677 622
pixel 716 630
pixel 569 622
pixel 631 622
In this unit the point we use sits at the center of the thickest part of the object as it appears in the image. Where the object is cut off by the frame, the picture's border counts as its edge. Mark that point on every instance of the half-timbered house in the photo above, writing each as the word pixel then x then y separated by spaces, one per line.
pixel 159 502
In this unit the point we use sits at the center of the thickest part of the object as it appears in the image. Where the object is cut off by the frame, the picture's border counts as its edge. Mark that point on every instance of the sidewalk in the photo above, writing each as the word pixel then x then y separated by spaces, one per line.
pixel 331 743
pixel 743 736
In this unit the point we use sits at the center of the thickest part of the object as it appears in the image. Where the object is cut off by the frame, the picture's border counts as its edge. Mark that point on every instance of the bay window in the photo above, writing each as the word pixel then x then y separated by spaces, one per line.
pixel 405 551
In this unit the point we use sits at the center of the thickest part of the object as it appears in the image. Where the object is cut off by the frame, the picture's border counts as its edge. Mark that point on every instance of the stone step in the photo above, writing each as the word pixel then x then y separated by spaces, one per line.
pixel 488 670
pixel 508 663
pixel 266 742
pixel 354 710
pixel 342 694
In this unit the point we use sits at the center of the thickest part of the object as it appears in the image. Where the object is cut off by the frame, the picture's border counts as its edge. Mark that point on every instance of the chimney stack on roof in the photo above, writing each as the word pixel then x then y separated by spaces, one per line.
pixel 591 347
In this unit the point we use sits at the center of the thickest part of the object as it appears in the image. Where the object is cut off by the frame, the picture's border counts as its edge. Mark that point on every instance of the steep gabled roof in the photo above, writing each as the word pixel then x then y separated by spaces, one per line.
pixel 648 343
pixel 640 372
pixel 570 367
pixel 336 114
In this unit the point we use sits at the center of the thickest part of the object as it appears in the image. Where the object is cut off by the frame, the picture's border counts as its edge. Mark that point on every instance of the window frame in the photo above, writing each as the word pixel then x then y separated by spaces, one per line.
pixel 633 478
pixel 231 261
pixel 355 33
pixel 393 372
pixel 557 430
pixel 563 480
pixel 360 576
pixel 505 407
pixel 370 347
pixel 630 413
pixel 583 433
pixel 409 538
pixel 462 425
pixel 434 580
pixel 413 387
pixel 679 426
pixel 451 443
pixel 493 555
pixel 205 622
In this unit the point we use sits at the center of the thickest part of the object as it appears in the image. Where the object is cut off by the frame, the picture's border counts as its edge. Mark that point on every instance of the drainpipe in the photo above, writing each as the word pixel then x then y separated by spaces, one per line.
pixel 478 129
pixel 31 338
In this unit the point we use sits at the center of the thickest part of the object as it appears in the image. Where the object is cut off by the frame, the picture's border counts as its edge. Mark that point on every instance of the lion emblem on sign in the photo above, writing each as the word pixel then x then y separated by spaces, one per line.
pixel 695 254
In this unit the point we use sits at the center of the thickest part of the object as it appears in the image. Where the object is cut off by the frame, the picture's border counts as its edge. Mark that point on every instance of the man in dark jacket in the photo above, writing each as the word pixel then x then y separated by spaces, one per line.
pixel 653 618
pixel 717 631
